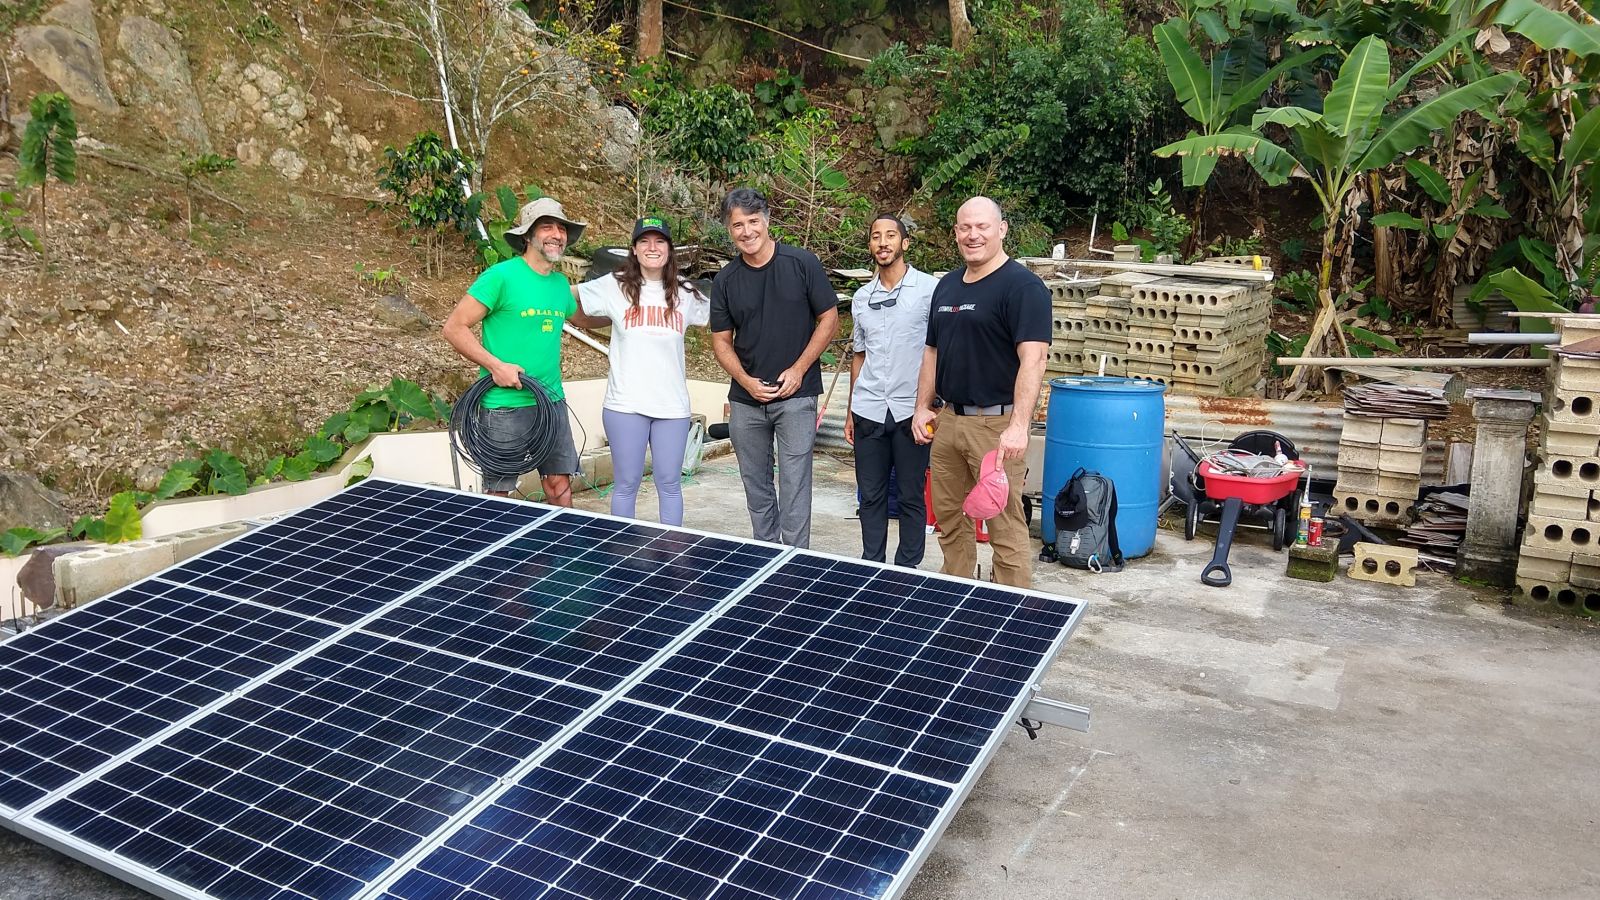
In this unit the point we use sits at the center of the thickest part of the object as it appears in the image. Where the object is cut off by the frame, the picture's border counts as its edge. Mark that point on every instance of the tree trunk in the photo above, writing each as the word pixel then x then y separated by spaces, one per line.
pixel 1197 236
pixel 1326 317
pixel 1387 272
pixel 960 25
pixel 650 38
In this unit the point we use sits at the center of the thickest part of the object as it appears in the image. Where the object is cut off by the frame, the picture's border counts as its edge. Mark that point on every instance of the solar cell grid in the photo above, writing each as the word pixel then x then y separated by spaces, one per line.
pixel 350 554
pixel 897 668
pixel 579 598
pixel 643 803
pixel 315 782
pixel 78 691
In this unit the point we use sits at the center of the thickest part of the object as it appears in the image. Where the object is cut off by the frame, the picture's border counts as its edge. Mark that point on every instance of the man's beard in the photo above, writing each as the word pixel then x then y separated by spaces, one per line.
pixel 890 264
pixel 551 257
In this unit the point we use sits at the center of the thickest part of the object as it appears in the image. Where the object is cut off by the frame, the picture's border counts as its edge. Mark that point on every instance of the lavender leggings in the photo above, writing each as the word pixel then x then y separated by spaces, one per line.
pixel 628 434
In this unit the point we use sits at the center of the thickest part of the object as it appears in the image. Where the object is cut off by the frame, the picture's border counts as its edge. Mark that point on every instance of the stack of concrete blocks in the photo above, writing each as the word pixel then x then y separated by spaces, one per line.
pixel 1197 337
pixel 1068 297
pixel 1559 561
pixel 1219 336
pixel 1380 467
pixel 1106 331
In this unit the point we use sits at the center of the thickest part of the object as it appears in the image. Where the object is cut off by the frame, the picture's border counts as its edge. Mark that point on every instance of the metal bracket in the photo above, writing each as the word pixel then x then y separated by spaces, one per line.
pixel 1054 712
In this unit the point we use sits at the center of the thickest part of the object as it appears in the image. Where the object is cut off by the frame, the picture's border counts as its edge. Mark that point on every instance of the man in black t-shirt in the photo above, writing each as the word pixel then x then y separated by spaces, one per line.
pixel 773 312
pixel 988 332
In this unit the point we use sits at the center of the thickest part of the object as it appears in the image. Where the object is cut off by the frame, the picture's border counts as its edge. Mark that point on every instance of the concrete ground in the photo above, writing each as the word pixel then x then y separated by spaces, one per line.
pixel 1272 739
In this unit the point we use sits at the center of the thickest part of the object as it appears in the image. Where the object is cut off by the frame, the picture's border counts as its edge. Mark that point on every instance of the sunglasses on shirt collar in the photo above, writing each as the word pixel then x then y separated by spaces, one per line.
pixel 890 297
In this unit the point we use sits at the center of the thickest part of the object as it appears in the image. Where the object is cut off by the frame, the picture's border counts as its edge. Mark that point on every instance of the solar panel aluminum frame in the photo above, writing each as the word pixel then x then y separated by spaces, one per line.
pixel 24 821
pixel 916 858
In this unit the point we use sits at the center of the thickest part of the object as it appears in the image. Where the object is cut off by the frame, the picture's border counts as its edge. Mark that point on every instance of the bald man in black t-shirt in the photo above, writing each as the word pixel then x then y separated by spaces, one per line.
pixel 988 332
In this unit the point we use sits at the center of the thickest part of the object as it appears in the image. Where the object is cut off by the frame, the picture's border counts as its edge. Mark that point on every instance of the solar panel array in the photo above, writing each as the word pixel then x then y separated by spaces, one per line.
pixel 412 692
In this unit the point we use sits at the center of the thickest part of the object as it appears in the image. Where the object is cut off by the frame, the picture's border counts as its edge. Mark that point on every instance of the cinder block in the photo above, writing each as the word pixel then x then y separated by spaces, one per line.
pixel 1149 348
pixel 1158 378
pixel 1573 330
pixel 1575 375
pixel 1569 438
pixel 1361 430
pixel 95 572
pixel 1122 284
pixel 1313 563
pixel 1390 485
pixel 1357 481
pixel 1569 535
pixel 1568 470
pixel 1572 406
pixel 1400 461
pixel 1385 564
pixel 1544 564
pixel 1372 507
pixel 1534 593
pixel 1404 432
pixel 1358 457
pixel 1585 571
pixel 1563 502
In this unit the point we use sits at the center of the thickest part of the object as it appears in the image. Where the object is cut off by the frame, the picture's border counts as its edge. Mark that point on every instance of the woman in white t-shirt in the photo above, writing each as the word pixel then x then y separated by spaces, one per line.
pixel 647 390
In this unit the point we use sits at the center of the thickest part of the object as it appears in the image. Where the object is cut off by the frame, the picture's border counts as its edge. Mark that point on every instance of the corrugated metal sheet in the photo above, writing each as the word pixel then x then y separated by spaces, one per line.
pixel 830 434
pixel 1314 428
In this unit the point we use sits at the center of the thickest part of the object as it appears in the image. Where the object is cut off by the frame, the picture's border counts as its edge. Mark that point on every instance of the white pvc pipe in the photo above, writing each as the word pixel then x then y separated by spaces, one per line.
pixel 1492 338
pixel 1452 362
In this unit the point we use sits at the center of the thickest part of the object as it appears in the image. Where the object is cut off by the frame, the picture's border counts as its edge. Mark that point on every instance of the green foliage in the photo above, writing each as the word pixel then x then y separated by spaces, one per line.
pixel 47 142
pixel 1086 88
pixel 781 97
pixel 893 63
pixel 1249 245
pixel 1167 228
pixel 1297 290
pixel 426 181
pixel 942 174
pixel 261 28
pixel 814 205
pixel 15 540
pixel 708 130
pixel 378 277
pixel 12 231
pixel 200 168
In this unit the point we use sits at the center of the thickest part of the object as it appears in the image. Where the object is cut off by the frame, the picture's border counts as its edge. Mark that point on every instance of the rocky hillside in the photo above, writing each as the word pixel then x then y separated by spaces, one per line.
pixel 147 337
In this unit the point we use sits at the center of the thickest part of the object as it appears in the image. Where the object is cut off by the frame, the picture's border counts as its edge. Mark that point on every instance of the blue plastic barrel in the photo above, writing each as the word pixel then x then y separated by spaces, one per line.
pixel 1114 426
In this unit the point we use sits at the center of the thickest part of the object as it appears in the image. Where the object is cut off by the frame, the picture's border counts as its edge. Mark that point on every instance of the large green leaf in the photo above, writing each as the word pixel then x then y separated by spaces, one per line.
pixel 410 399
pixel 1398 220
pixel 1251 91
pixel 321 449
pixel 1272 162
pixel 1428 59
pixel 1291 117
pixel 1526 295
pixel 1415 127
pixel 1190 79
pixel 1429 179
pixel 1546 28
pixel 122 519
pixel 179 478
pixel 16 540
pixel 1360 93
pixel 1372 338
pixel 227 473
pixel 1584 143
pixel 1197 169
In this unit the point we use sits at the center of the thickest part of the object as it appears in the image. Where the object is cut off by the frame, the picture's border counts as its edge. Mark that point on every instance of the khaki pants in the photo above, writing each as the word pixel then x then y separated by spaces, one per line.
pixel 959 445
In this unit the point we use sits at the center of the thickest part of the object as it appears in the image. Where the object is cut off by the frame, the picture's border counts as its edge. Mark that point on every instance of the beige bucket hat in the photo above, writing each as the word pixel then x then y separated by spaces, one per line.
pixel 546 208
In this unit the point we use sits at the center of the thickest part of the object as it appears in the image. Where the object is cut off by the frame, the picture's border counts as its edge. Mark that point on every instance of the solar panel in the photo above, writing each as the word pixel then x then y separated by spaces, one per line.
pixel 320 779
pixel 436 695
pixel 356 551
pixel 810 741
pixel 99 680
pixel 579 598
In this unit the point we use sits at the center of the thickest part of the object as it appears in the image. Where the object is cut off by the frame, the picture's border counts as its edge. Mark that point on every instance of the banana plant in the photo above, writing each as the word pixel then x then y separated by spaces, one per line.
pixel 1334 149
pixel 1215 93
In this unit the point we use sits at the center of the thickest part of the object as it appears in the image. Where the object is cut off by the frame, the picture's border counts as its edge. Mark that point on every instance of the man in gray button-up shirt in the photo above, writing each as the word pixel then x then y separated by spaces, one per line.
pixel 891 325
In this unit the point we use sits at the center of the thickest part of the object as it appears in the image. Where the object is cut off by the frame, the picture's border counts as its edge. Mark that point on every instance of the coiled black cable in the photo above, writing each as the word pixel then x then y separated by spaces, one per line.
pixel 487 456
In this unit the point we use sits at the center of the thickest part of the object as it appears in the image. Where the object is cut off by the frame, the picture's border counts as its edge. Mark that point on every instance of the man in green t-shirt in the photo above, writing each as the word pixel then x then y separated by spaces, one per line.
pixel 522 304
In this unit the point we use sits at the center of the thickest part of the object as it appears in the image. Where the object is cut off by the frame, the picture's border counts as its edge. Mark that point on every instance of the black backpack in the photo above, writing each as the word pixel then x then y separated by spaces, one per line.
pixel 1086 523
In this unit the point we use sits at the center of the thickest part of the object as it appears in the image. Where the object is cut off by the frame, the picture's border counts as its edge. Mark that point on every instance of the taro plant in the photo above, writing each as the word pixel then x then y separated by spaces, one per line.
pixel 1335 148
pixel 497 216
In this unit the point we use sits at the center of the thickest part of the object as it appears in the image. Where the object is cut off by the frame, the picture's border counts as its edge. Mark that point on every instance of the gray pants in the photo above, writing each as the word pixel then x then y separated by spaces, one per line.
pixel 784 516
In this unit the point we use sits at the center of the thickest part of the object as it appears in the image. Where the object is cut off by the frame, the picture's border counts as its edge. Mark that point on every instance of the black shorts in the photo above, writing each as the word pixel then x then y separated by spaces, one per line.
pixel 512 424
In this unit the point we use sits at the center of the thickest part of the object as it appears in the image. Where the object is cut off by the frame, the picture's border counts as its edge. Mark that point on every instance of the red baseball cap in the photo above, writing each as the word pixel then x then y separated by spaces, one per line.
pixel 989 496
